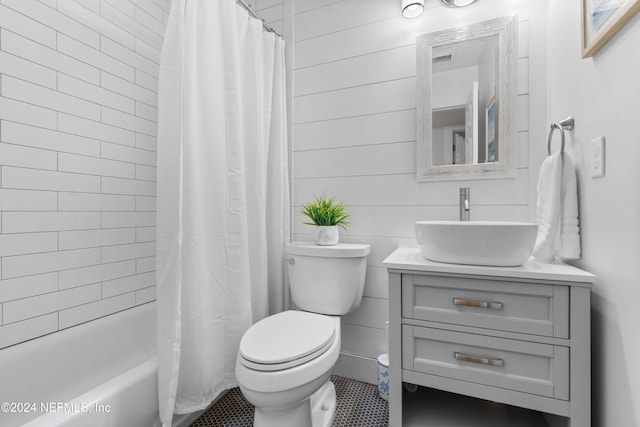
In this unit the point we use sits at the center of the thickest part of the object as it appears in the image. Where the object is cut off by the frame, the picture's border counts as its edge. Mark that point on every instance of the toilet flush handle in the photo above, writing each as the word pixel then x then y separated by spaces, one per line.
pixel 291 261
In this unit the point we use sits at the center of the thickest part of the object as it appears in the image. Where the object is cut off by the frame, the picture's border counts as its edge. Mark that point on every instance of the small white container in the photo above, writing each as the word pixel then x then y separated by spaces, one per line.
pixel 383 376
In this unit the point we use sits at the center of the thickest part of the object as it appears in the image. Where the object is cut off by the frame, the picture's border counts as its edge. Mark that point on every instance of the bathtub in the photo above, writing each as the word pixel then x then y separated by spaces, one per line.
pixel 101 373
pixel 130 399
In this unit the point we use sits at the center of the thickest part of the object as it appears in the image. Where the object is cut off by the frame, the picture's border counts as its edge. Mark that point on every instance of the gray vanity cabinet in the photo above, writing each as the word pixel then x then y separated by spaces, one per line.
pixel 519 336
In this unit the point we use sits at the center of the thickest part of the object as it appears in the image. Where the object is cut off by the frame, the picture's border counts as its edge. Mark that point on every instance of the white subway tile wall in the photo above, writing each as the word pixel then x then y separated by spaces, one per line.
pixel 78 115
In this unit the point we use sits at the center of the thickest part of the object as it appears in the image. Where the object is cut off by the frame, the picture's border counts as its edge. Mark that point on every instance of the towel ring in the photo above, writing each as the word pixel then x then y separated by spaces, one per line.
pixel 568 124
pixel 555 126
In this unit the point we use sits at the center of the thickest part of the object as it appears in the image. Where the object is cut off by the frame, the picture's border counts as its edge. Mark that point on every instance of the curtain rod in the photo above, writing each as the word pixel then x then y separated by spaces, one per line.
pixel 246 5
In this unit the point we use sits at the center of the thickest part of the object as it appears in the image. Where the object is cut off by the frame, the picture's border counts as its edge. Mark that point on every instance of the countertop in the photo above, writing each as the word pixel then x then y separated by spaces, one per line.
pixel 411 259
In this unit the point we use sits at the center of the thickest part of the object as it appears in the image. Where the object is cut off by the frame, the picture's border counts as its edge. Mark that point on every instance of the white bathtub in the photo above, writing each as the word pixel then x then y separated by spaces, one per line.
pixel 130 399
pixel 101 373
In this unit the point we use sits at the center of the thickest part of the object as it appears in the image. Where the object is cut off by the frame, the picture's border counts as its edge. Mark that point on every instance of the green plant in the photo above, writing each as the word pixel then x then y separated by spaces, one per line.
pixel 325 211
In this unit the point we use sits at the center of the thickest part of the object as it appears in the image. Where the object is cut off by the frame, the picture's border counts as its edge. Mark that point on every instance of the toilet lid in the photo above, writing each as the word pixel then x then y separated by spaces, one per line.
pixel 340 250
pixel 286 339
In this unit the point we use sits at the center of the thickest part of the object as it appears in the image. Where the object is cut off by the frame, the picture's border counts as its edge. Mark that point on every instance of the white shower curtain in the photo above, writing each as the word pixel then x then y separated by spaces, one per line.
pixel 223 196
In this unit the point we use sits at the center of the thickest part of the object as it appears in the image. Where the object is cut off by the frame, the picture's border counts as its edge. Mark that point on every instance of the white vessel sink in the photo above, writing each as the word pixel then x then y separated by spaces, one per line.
pixel 494 243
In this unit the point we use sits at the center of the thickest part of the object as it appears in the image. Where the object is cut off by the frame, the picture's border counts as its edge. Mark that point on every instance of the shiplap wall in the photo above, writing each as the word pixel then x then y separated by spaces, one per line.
pixel 354 136
pixel 77 158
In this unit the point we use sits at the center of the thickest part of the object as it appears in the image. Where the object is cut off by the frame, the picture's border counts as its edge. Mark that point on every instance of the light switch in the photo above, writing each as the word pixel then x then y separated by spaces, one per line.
pixel 597 157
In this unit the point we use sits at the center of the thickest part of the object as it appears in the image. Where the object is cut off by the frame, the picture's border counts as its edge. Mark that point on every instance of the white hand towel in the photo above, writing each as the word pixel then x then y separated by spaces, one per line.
pixel 568 245
pixel 548 209
pixel 557 210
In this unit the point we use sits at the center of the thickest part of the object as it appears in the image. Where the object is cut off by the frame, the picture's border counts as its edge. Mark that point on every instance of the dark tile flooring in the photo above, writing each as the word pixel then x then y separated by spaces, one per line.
pixel 358 405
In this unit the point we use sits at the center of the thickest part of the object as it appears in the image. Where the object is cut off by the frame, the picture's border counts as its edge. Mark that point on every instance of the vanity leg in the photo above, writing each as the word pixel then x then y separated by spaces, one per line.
pixel 580 388
pixel 395 350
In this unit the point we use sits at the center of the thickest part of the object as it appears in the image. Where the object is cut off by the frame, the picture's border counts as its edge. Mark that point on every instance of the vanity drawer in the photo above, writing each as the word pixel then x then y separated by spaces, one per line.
pixel 534 368
pixel 530 308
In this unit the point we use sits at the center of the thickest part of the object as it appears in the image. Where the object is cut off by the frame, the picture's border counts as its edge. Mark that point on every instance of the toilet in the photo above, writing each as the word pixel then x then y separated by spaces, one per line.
pixel 285 360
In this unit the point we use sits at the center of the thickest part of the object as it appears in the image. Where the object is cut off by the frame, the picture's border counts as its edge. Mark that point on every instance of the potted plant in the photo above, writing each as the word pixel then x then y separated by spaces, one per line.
pixel 326 215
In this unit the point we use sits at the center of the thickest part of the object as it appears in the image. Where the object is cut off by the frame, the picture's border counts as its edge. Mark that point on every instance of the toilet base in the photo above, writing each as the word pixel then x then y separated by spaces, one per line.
pixel 323 405
pixel 316 411
pixel 297 415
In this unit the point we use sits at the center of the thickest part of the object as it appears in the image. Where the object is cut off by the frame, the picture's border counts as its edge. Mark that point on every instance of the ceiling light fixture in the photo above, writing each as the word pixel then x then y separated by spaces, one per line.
pixel 412 8
pixel 457 3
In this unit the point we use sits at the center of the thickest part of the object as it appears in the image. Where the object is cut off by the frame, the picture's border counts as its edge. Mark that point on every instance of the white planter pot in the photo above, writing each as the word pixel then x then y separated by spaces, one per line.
pixel 326 235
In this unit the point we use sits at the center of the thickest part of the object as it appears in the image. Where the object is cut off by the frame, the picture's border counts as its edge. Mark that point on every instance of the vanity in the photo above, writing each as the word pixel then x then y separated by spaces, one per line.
pixel 514 335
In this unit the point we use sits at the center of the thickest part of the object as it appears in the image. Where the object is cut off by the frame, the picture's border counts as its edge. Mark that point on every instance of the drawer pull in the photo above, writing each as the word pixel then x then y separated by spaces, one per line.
pixel 478 304
pixel 476 359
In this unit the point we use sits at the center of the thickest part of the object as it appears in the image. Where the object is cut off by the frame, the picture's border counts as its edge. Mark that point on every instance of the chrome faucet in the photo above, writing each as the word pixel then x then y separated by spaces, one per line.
pixel 465 206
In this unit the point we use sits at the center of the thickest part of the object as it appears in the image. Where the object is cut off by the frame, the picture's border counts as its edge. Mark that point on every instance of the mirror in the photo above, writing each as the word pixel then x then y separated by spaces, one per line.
pixel 466 103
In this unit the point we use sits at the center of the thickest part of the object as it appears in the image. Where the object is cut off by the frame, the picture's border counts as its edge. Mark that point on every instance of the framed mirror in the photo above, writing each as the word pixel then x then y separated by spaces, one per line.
pixel 466 101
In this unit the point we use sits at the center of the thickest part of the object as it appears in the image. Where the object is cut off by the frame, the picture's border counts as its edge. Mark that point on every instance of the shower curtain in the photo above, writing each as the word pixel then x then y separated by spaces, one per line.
pixel 223 196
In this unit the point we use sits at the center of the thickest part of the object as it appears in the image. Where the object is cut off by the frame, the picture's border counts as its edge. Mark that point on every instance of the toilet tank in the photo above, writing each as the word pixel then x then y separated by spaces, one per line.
pixel 327 279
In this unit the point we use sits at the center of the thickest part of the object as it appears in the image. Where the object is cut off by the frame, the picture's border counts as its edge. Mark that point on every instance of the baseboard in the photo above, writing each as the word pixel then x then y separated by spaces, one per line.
pixel 357 367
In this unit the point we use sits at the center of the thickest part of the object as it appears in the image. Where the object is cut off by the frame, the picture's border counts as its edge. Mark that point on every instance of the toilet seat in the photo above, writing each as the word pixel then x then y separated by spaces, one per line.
pixel 286 340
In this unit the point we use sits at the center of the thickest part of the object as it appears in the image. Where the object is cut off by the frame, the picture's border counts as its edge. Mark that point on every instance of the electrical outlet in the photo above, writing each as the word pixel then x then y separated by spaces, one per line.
pixel 597 157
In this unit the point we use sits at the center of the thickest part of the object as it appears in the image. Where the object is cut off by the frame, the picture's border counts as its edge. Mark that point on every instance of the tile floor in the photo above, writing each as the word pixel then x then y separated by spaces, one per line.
pixel 360 406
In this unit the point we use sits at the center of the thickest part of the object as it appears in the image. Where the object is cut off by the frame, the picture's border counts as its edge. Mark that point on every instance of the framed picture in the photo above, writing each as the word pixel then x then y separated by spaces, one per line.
pixel 601 19
pixel 490 120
